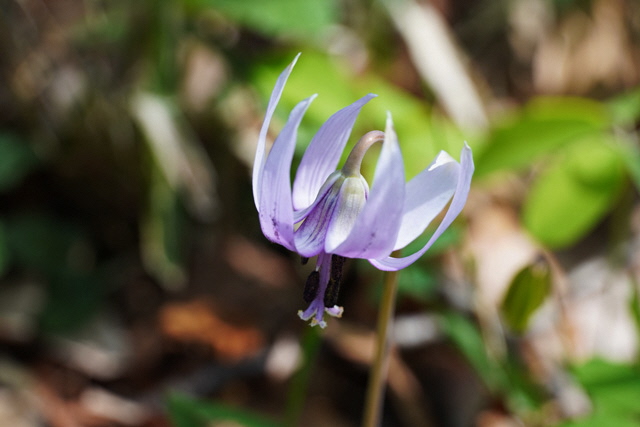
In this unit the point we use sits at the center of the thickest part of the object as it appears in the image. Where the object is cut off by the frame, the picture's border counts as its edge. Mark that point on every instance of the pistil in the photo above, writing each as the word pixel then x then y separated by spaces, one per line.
pixel 354 161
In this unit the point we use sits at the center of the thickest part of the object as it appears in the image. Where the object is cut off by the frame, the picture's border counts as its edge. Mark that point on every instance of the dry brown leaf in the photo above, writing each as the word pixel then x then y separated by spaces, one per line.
pixel 197 322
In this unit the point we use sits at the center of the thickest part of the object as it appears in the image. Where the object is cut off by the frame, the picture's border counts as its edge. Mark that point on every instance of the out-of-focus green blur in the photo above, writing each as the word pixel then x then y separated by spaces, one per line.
pixel 136 287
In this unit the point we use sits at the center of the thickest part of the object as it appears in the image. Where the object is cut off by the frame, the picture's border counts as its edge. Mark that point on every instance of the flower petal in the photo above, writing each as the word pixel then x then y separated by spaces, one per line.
pixel 276 212
pixel 302 214
pixel 351 199
pixel 425 196
pixel 310 236
pixel 376 228
pixel 258 162
pixel 324 152
pixel 458 202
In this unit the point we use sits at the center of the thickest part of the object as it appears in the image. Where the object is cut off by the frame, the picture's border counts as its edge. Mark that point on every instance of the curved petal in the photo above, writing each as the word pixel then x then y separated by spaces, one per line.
pixel 276 211
pixel 458 202
pixel 376 228
pixel 258 162
pixel 352 198
pixel 310 236
pixel 426 195
pixel 324 151
pixel 302 214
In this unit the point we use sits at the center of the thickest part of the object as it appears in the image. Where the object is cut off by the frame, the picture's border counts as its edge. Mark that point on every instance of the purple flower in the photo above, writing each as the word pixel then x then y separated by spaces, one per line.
pixel 332 214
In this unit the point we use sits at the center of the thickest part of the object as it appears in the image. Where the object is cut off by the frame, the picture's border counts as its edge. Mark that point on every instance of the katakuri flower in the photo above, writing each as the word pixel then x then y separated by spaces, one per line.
pixel 332 214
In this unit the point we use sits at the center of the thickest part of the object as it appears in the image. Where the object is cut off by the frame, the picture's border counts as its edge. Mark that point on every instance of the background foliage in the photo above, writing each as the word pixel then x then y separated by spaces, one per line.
pixel 136 288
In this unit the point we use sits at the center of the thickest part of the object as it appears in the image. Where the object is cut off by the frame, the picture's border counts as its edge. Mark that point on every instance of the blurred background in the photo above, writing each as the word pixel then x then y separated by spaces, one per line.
pixel 136 288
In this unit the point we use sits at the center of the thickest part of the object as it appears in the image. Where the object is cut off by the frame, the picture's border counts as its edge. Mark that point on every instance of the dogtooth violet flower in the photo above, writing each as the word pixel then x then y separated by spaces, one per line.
pixel 332 214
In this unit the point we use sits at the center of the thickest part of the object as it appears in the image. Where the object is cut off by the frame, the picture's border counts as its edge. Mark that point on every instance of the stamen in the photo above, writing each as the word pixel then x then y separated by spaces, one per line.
pixel 331 294
pixel 311 287
pixel 354 161
pixel 335 280
pixel 337 264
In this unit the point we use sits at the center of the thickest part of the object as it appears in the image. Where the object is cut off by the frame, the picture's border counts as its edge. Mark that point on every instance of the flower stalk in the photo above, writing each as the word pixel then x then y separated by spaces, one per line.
pixel 374 402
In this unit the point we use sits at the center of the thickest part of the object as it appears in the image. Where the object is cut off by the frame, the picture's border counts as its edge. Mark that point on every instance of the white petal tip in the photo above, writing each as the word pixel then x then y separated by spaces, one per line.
pixel 314 321
pixel 335 311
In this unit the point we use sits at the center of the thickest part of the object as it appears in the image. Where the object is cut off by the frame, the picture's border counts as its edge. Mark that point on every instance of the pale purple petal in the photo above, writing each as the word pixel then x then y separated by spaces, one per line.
pixel 376 229
pixel 458 202
pixel 302 214
pixel 351 200
pixel 426 195
pixel 276 212
pixel 323 154
pixel 310 236
pixel 258 163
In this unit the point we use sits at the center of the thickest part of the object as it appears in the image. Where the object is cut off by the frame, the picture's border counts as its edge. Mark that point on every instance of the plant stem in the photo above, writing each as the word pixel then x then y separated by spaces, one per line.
pixel 378 373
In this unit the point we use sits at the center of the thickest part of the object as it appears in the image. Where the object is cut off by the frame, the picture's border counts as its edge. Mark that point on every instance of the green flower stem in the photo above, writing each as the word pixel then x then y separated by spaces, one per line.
pixel 379 368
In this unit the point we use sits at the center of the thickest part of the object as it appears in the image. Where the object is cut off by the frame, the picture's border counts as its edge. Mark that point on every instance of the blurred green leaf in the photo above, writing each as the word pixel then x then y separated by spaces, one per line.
pixel 615 393
pixel 5 253
pixel 314 73
pixel 17 160
pixel 544 125
pixel 505 377
pixel 59 251
pixel 625 108
pixel 417 282
pixel 298 391
pixel 72 299
pixel 630 153
pixel 574 193
pixel 307 19
pixel 600 420
pixel 634 303
pixel 527 291
pixel 189 412
pixel 422 134
pixel 43 244
pixel 163 233
pixel 467 337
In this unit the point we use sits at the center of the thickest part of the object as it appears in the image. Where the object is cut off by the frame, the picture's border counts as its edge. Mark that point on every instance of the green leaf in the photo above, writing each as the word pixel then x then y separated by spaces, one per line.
pixel 614 390
pixel 72 299
pixel 630 153
pixel 625 108
pixel 417 282
pixel 163 233
pixel 306 19
pixel 526 293
pixel 574 193
pixel 43 244
pixel 61 253
pixel 17 161
pixel 5 253
pixel 467 337
pixel 504 377
pixel 188 412
pixel 543 126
